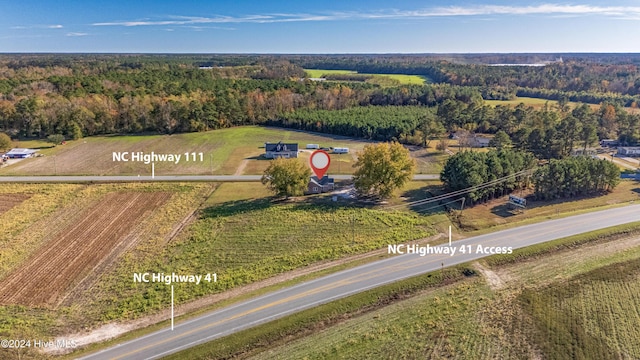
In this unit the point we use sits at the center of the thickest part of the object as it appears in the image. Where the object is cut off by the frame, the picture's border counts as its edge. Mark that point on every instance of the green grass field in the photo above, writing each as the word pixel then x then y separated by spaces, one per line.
pixel 225 152
pixel 539 103
pixel 400 78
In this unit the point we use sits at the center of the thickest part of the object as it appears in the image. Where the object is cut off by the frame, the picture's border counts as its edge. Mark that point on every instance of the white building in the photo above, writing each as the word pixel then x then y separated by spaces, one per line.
pixel 19 153
pixel 629 150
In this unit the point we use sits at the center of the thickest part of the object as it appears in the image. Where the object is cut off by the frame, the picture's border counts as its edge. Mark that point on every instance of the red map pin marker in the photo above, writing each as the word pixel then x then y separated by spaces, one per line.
pixel 319 162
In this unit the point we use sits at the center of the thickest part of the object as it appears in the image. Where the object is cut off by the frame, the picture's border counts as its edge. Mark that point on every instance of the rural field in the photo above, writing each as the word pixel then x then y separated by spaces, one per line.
pixel 61 243
pixel 400 78
pixel 538 103
pixel 69 251
pixel 97 237
pixel 8 201
pixel 243 236
pixel 225 152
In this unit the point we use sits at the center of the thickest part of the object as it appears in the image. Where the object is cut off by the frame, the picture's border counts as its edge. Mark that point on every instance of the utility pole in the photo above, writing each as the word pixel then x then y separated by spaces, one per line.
pixel 353 230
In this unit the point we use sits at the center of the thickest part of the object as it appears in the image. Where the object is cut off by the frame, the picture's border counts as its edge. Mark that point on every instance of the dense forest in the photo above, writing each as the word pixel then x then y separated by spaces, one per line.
pixel 81 95
pixel 575 176
pixel 502 171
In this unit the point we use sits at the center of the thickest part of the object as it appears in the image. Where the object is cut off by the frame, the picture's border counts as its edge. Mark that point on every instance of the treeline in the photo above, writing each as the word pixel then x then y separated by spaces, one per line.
pixel 549 132
pixel 571 76
pixel 168 98
pixel 468 169
pixel 582 96
pixel 614 74
pixel 46 94
pixel 575 176
pixel 564 178
pixel 388 123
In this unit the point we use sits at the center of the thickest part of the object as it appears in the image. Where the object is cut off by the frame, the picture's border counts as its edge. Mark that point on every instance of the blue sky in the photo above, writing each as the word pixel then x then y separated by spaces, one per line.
pixel 328 26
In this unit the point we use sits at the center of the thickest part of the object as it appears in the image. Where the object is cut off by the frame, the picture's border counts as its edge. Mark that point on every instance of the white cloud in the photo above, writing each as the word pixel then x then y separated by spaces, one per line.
pixel 54 26
pixel 75 34
pixel 543 9
pixel 626 12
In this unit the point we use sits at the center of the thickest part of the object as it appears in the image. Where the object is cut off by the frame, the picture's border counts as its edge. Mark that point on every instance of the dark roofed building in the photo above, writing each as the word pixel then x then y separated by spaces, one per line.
pixel 317 186
pixel 277 150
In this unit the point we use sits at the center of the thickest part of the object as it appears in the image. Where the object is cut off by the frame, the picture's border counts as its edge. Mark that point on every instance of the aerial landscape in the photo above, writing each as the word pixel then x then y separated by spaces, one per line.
pixel 335 180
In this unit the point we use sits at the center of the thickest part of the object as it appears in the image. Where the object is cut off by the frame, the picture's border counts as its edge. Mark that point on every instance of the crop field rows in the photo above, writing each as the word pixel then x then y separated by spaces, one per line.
pixel 8 201
pixel 593 316
pixel 44 278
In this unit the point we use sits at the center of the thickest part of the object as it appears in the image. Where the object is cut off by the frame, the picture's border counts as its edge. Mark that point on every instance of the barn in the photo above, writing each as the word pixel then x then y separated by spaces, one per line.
pixel 19 153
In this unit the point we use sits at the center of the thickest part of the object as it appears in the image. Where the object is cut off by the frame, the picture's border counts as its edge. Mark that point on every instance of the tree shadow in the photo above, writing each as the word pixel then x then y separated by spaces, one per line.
pixel 326 203
pixel 259 157
pixel 504 210
pixel 231 208
pixel 418 200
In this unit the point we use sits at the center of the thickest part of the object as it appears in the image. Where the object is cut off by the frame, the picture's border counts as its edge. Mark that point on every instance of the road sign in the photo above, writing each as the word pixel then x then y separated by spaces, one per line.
pixel 518 201
pixel 319 162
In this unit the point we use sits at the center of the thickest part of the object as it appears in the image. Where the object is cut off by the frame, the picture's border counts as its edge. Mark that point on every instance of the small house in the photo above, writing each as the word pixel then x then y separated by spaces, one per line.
pixel 629 151
pixel 317 186
pixel 479 141
pixel 19 153
pixel 609 143
pixel 280 150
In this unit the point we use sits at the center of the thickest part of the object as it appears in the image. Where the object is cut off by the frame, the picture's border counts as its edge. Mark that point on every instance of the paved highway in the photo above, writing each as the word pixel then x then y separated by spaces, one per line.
pixel 164 178
pixel 312 293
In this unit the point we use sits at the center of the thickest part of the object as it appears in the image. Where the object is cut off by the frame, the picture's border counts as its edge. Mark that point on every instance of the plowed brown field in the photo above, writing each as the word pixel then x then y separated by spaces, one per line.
pixel 7 201
pixel 81 247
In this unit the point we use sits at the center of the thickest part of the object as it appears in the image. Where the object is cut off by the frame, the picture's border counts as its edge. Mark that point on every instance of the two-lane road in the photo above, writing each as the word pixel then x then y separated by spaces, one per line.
pixel 322 290
pixel 162 178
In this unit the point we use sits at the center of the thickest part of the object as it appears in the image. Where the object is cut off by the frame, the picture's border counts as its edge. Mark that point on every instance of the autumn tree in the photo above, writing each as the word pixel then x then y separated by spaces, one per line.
pixel 287 177
pixel 5 141
pixel 382 168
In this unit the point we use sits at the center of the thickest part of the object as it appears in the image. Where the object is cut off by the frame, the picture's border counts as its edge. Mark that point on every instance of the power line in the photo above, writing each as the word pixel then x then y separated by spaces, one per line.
pixel 437 206
pixel 464 191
